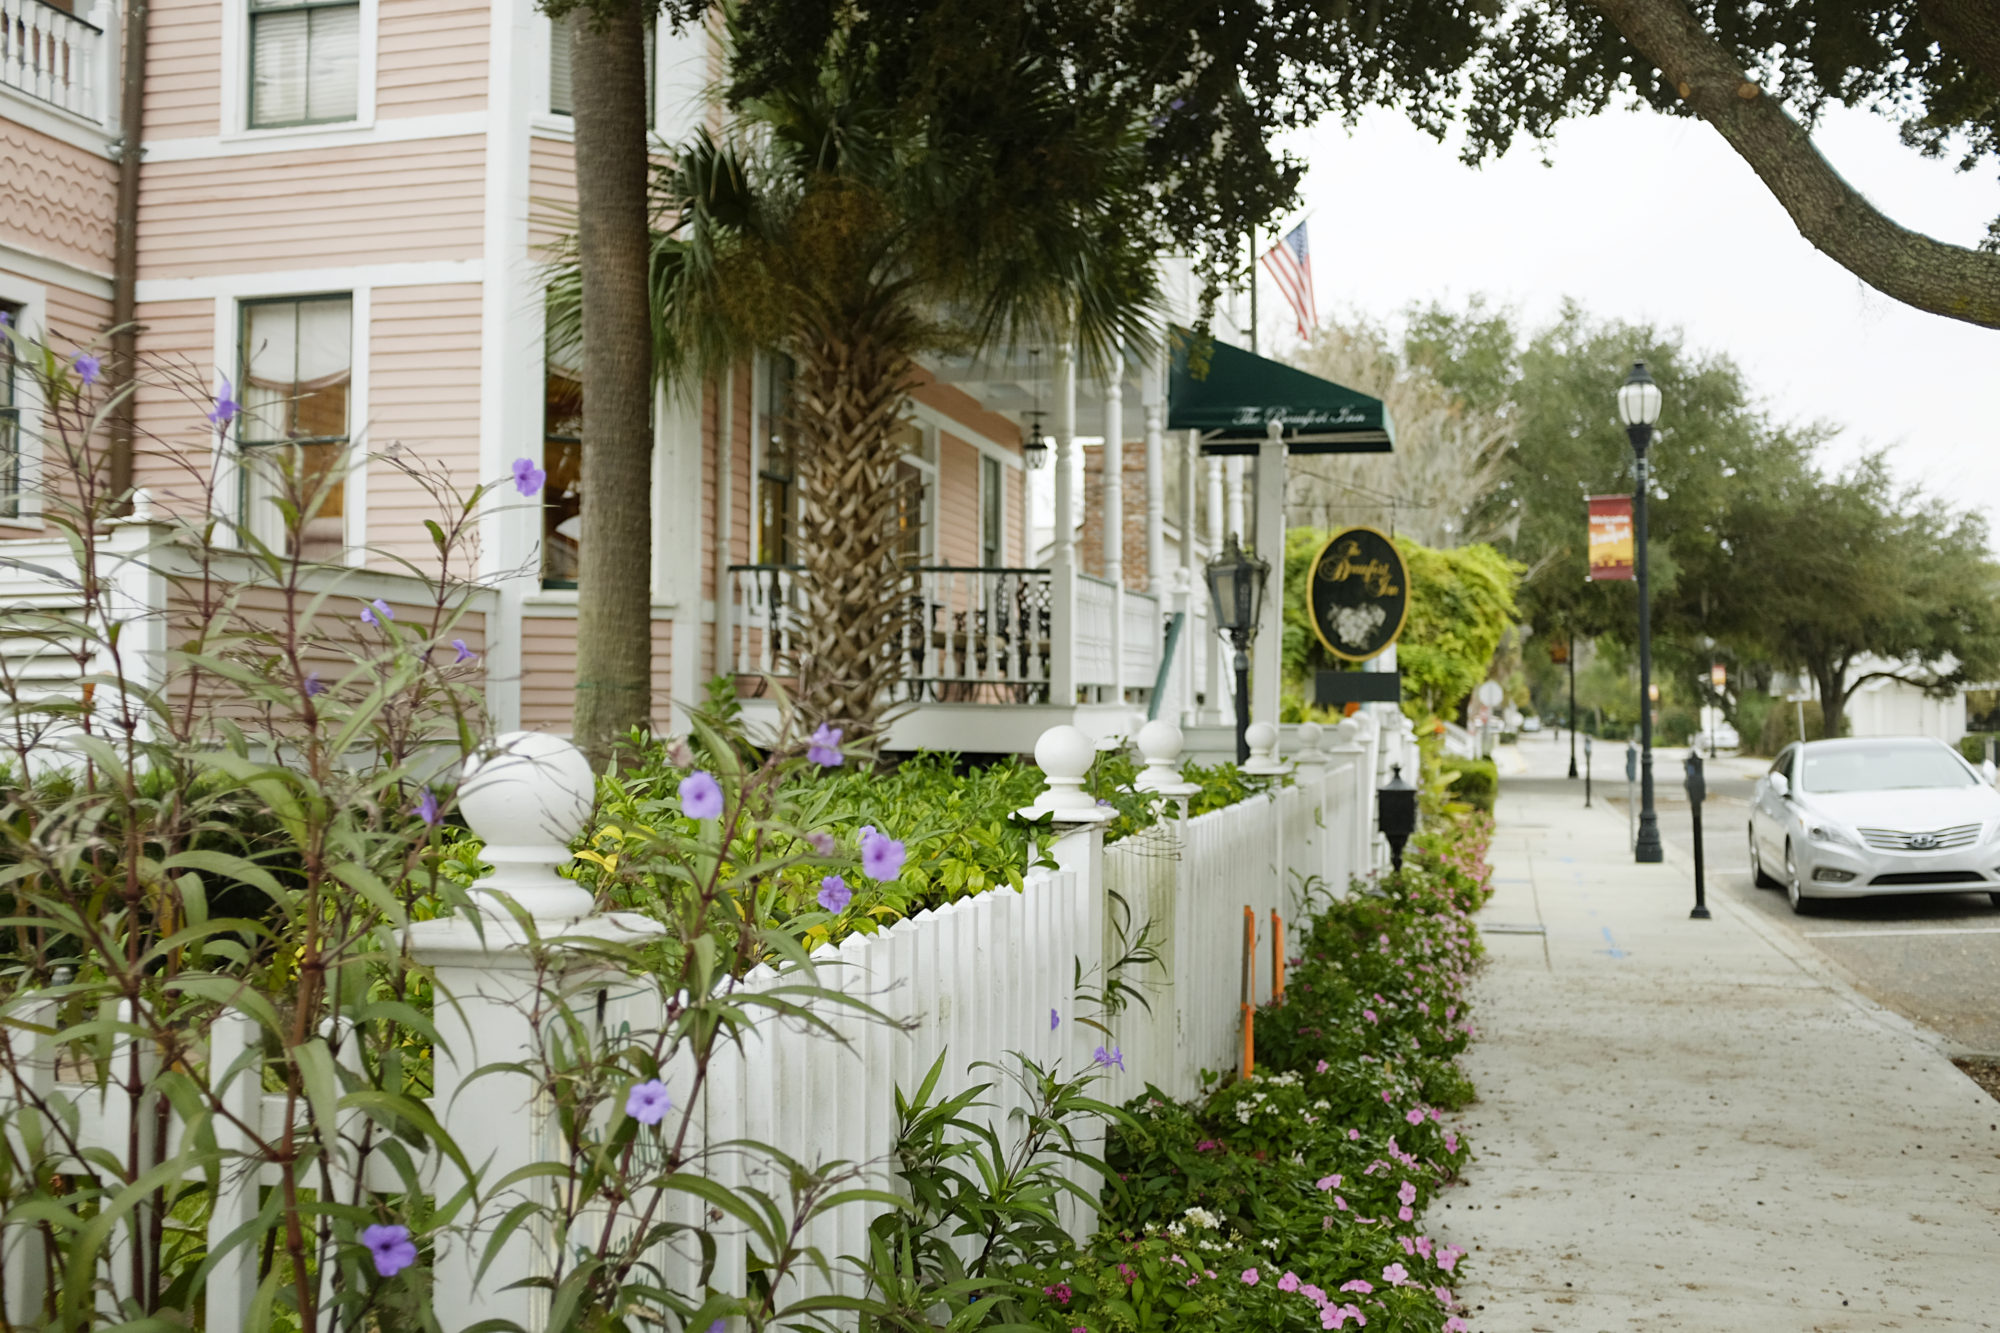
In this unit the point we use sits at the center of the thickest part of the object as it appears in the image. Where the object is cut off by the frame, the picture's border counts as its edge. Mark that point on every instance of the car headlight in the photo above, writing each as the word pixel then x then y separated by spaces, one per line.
pixel 1833 835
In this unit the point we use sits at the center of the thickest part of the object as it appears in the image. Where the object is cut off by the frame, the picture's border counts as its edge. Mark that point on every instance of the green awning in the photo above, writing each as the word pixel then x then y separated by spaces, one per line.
pixel 1241 393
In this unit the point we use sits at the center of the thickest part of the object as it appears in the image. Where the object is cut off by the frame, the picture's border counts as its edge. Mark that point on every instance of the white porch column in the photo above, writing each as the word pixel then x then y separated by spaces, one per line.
pixel 1114 515
pixel 1188 582
pixel 1062 541
pixel 1156 499
pixel 1233 474
pixel 1219 681
pixel 1267 667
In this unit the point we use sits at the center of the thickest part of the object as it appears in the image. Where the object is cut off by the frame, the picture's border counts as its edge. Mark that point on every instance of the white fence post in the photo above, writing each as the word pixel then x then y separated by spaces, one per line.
pixel 527 801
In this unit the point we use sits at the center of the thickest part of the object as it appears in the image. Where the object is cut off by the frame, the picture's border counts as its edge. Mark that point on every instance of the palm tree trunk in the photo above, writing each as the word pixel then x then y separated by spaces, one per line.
pixel 614 641
pixel 853 381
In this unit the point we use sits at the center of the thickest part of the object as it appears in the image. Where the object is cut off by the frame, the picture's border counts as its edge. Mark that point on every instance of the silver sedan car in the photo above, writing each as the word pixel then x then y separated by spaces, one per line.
pixel 1850 818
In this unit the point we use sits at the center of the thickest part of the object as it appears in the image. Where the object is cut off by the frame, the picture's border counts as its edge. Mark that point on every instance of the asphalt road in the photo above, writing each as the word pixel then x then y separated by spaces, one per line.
pixel 1933 958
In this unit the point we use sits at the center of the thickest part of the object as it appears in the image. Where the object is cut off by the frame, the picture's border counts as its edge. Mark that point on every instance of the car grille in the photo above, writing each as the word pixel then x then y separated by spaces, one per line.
pixel 1933 840
pixel 1931 877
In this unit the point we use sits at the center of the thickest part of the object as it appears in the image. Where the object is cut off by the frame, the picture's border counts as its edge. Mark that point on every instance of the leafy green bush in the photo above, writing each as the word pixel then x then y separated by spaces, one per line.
pixel 1474 781
pixel 1292 1200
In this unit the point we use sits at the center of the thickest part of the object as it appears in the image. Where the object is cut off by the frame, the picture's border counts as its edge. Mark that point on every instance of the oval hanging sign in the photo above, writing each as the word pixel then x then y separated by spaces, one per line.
pixel 1359 594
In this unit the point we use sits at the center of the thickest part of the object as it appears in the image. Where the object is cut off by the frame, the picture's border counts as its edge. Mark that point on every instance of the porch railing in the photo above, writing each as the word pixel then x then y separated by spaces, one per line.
pixel 52 56
pixel 969 635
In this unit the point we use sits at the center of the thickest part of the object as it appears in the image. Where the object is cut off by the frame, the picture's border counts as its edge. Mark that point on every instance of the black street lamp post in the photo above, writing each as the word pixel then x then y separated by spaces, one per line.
pixel 1236 583
pixel 1569 655
pixel 1639 409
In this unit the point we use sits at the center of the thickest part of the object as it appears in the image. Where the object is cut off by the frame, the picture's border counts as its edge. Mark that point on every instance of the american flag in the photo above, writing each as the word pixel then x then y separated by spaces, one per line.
pixel 1291 267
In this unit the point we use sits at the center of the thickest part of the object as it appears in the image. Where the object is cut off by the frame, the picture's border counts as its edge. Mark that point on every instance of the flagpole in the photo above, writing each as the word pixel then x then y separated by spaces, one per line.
pixel 1253 291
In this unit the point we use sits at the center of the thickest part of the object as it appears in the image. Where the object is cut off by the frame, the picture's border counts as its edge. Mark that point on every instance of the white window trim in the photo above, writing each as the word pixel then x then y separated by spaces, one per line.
pixel 227 455
pixel 236 85
pixel 927 517
pixel 932 419
pixel 979 498
pixel 32 300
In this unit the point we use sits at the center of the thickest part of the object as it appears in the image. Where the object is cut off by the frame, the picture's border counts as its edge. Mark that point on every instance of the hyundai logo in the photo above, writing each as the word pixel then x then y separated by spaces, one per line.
pixel 1921 842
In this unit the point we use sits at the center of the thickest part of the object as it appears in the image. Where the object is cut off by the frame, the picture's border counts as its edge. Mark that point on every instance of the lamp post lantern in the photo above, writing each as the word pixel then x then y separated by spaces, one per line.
pixel 1639 409
pixel 1236 583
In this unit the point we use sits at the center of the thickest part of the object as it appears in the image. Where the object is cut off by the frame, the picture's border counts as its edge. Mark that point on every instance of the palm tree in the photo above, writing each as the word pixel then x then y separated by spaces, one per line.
pixel 840 226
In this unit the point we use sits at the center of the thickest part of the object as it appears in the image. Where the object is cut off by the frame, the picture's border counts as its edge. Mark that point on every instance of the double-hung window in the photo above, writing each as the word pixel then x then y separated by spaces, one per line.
pixel 562 459
pixel 562 73
pixel 305 62
pixel 297 368
pixel 777 466
pixel 10 418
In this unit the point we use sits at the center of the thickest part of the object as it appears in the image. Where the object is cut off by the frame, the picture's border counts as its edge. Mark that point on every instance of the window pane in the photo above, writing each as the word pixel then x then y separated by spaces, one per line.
pixel 278 45
pixel 297 359
pixel 992 546
pixel 562 459
pixel 562 100
pixel 335 65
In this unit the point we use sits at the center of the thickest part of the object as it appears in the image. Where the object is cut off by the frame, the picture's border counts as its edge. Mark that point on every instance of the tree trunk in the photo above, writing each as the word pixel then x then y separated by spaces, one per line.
pixel 614 640
pixel 852 383
pixel 1948 280
pixel 1833 691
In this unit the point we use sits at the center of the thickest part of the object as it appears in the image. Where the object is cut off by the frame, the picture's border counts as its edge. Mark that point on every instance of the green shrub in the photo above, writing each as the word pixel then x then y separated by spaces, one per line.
pixel 1781 726
pixel 1474 781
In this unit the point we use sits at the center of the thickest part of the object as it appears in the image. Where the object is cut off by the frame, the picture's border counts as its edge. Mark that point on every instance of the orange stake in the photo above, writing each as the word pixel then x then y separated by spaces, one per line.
pixel 1277 956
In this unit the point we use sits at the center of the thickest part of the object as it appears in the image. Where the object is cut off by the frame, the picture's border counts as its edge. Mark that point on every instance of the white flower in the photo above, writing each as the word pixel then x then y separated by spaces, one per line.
pixel 1201 1217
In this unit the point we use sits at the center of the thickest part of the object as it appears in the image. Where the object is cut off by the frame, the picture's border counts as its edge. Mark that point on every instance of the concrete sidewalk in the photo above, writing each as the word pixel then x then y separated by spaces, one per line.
pixel 1694 1125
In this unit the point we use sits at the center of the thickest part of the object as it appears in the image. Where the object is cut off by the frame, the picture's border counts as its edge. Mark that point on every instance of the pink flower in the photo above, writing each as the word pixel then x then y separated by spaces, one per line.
pixel 1249 1277
pixel 1396 1275
pixel 1456 1325
pixel 1444 1296
pixel 1414 1117
pixel 1436 1116
pixel 1289 1282
pixel 1361 1285
pixel 1448 1257
pixel 1327 1182
pixel 1424 1244
pixel 1340 1203
pixel 1409 1246
pixel 1369 1014
pixel 1406 1214
pixel 1386 1098
pixel 1354 1135
pixel 1312 1293
pixel 1451 1140
pixel 1320 1068
pixel 1406 1193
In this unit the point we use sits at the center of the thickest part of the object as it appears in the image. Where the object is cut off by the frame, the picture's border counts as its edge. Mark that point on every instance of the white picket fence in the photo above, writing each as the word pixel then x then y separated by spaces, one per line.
pixel 973 981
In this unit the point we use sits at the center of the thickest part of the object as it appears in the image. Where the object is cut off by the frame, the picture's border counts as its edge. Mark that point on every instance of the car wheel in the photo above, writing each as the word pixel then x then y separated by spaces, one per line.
pixel 1995 897
pixel 1759 876
pixel 1801 904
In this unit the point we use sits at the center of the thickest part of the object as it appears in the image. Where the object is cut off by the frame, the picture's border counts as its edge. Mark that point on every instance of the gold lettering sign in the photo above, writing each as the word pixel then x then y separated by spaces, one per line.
pixel 1358 594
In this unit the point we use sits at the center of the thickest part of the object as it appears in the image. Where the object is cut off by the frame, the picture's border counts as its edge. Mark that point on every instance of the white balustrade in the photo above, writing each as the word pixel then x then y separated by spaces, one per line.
pixel 52 56
pixel 1145 637
pixel 1096 604
pixel 981 635
pixel 766 603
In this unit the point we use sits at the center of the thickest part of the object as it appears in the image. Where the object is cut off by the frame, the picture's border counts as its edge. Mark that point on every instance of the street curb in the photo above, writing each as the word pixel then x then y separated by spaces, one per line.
pixel 1808 960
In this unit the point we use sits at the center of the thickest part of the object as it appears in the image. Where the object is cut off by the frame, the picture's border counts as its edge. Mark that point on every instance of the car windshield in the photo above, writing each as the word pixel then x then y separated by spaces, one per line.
pixel 1883 769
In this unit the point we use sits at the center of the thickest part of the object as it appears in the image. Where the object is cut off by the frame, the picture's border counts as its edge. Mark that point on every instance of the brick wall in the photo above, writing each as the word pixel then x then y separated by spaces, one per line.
pixel 1132 489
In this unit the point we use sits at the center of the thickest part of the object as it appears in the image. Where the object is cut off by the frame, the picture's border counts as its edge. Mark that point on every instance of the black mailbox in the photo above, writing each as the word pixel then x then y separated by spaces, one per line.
pixel 1396 813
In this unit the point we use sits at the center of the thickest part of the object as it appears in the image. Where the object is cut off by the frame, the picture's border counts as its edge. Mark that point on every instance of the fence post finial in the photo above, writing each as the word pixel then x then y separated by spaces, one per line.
pixel 528 798
pixel 1064 755
pixel 1263 739
pixel 1310 760
pixel 1160 744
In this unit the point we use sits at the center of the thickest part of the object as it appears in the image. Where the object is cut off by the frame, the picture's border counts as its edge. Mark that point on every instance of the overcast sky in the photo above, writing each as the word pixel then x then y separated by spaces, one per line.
pixel 1641 216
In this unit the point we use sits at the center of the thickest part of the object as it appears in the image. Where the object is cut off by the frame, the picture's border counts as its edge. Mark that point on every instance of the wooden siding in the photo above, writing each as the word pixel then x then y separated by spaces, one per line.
pixel 551 191
pixel 548 673
pixel 60 200
pixel 963 408
pixel 332 643
pixel 171 458
pixel 423 393
pixel 184 69
pixel 367 204
pixel 430 57
pixel 956 511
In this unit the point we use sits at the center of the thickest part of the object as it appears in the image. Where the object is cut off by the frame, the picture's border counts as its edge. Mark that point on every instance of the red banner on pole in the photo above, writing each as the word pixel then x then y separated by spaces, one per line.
pixel 1610 537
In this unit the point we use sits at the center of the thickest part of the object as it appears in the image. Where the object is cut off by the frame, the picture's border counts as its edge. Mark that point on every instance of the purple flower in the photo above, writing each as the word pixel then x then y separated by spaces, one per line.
pixel 649 1103
pixel 465 654
pixel 315 687
pixel 226 407
pixel 528 478
pixel 427 808
pixel 821 843
pixel 824 749
pixel 1107 1059
pixel 89 369
pixel 701 796
pixel 1055 1020
pixel 375 612
pixel 834 895
pixel 6 319
pixel 881 856
pixel 391 1248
